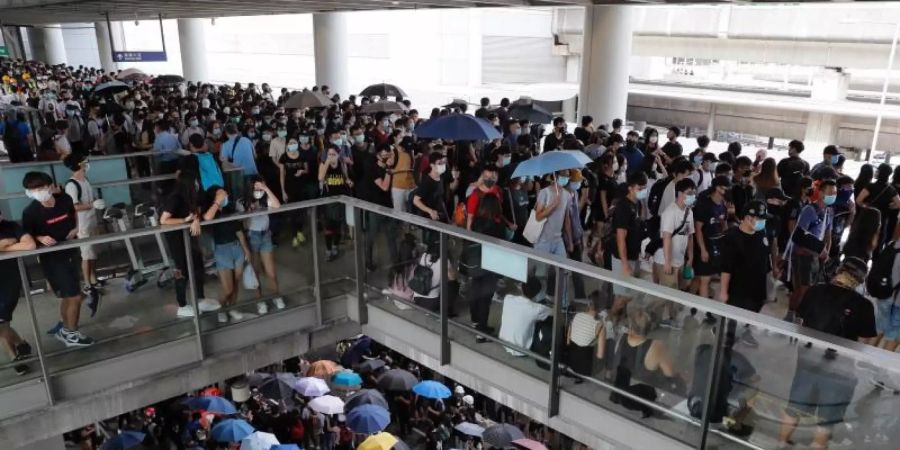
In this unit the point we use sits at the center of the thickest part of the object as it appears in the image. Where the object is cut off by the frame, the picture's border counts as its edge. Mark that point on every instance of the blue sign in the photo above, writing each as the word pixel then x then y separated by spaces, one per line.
pixel 139 56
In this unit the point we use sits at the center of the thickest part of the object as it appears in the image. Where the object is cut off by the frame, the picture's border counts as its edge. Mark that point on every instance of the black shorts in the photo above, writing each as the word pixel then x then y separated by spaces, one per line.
pixel 816 392
pixel 10 289
pixel 63 271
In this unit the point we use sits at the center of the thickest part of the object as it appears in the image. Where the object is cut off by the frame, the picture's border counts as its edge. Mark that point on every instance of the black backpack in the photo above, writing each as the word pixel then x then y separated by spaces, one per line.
pixel 878 282
pixel 420 283
pixel 656 194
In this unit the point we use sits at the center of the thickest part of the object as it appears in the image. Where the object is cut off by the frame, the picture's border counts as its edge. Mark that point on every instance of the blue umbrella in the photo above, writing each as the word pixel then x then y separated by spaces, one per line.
pixel 346 379
pixel 213 404
pixel 231 430
pixel 123 441
pixel 458 127
pixel 431 389
pixel 285 447
pixel 549 162
pixel 368 419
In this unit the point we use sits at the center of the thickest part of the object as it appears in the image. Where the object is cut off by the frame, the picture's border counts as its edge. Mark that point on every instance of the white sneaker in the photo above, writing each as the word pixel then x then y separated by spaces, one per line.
pixel 223 318
pixel 278 302
pixel 235 315
pixel 262 308
pixel 208 304
pixel 185 311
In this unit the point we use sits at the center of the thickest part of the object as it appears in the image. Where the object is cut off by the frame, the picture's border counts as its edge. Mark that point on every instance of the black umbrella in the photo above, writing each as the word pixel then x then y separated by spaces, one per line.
pixel 279 387
pixel 457 103
pixel 110 88
pixel 167 80
pixel 385 106
pixel 370 365
pixel 382 90
pixel 365 397
pixel 258 378
pixel 356 351
pixel 531 112
pixel 501 435
pixel 397 380
pixel 308 99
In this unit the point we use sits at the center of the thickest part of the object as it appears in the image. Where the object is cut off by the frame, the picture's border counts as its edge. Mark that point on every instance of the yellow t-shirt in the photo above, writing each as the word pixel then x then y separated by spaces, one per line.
pixel 403 176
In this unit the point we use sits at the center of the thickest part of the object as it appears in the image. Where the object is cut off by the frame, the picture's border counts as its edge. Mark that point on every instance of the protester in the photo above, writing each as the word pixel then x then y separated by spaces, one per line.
pixel 82 194
pixel 12 239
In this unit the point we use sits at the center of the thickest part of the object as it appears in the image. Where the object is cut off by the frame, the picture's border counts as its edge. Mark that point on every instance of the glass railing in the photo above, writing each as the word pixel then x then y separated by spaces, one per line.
pixel 647 353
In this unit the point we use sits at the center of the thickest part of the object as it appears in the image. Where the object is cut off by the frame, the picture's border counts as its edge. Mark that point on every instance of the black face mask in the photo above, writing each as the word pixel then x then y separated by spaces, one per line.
pixel 489 183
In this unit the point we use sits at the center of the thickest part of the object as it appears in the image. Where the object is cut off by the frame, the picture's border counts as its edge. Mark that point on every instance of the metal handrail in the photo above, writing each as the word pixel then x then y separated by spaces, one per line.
pixel 17 165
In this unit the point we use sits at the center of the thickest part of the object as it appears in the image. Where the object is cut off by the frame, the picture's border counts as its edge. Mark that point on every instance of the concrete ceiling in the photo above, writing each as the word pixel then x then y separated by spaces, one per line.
pixel 25 12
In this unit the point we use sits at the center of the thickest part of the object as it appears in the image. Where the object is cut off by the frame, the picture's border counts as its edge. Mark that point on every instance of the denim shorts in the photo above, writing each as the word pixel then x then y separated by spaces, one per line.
pixel 229 256
pixel 261 241
pixel 887 319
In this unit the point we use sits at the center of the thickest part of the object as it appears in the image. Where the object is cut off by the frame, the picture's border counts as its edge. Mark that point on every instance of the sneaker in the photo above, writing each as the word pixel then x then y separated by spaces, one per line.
pixel 278 302
pixel 73 338
pixel 208 304
pixel 262 308
pixel 185 311
pixel 23 352
pixel 94 302
pixel 301 238
pixel 235 314
pixel 223 318
pixel 748 339
pixel 86 289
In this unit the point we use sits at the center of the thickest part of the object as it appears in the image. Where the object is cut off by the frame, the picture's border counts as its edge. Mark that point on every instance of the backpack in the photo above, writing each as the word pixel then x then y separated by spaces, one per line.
pixel 878 282
pixel 461 213
pixel 78 187
pixel 12 140
pixel 298 431
pixel 420 283
pixel 410 206
pixel 210 174
pixel 656 194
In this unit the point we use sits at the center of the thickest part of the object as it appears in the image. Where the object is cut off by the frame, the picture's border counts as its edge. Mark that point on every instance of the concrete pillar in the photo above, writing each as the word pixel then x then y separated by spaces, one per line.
pixel 828 85
pixel 605 62
pixel 54 44
pixel 711 122
pixel 331 56
pixel 192 39
pixel 104 47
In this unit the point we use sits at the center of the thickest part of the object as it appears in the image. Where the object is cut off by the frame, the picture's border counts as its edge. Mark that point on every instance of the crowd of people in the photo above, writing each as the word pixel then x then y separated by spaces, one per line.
pixel 730 227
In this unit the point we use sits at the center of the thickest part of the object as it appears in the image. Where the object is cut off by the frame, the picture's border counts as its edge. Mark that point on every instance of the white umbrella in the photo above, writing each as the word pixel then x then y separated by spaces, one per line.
pixel 327 404
pixel 259 441
pixel 470 429
pixel 312 387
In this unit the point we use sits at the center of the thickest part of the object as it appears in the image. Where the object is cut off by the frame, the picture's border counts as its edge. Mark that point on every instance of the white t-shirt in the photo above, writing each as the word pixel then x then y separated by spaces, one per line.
pixel 87 219
pixel 518 319
pixel 668 197
pixel 703 184
pixel 670 220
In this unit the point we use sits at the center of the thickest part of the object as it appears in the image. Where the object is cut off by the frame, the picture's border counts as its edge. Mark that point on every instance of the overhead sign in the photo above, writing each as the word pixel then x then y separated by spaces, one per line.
pixel 4 51
pixel 139 56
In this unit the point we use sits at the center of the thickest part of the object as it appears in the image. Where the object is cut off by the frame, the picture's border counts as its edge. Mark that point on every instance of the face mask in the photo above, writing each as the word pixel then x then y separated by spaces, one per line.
pixel 690 200
pixel 70 112
pixel 516 132
pixel 282 133
pixel 844 195
pixel 224 202
pixel 489 183
pixel 829 199
pixel 359 138
pixel 643 193
pixel 834 160
pixel 129 105
pixel 258 194
pixel 292 148
pixel 194 122
pixel 217 132
pixel 303 139
pixel 759 225
pixel 575 185
pixel 441 168
pixel 698 160
pixel 41 195
pixel 251 134
pixel 87 167
pixel 226 110
pixel 266 137
pixel 654 139
pixel 254 111
pixel 506 160
pixel 337 141
pixel 562 180
pixel 137 96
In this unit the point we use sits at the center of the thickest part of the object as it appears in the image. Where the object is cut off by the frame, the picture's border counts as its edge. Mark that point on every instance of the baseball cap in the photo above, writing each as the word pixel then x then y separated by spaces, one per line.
pixel 755 208
pixel 708 156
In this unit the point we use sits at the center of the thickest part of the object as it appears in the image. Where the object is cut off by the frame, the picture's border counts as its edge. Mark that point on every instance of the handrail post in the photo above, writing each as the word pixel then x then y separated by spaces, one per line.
pixel 26 291
pixel 317 280
pixel 359 249
pixel 192 278
pixel 712 390
pixel 559 321
pixel 445 301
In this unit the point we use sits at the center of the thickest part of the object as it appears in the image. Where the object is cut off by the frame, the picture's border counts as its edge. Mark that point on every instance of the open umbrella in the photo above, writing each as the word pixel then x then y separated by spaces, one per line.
pixel 368 419
pixel 380 441
pixel 501 435
pixel 312 387
pixel 525 109
pixel 279 387
pixel 167 80
pixel 365 397
pixel 123 441
pixel 110 87
pixel 327 404
pixel 469 429
pixel 549 162
pixel 131 74
pixel 370 365
pixel 457 103
pixel 213 404
pixel 458 127
pixel 346 380
pixel 385 106
pixel 323 368
pixel 308 99
pixel 360 347
pixel 259 441
pixel 382 90
pixel 529 444
pixel 231 430
pixel 258 378
pixel 431 389
pixel 397 380
pixel 285 447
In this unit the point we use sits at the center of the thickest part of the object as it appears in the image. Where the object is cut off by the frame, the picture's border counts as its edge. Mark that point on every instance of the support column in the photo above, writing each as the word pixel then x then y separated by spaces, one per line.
pixel 104 47
pixel 822 128
pixel 605 62
pixel 54 44
pixel 331 56
pixel 192 38
pixel 711 122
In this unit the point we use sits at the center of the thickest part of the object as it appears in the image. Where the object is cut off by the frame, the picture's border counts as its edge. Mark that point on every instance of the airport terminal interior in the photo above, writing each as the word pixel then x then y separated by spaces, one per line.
pixel 457 224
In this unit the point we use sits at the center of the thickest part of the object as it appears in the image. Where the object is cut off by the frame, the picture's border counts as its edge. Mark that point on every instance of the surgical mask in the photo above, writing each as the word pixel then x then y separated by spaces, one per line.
pixel 441 168
pixel 337 141
pixel 698 160
pixel 258 194
pixel 282 133
pixel 834 159
pixel 41 195
pixel 759 225
pixel 70 112
pixel 267 137
pixel 224 202
pixel 359 138
pixel 226 110
pixel 829 199
pixel 303 139
pixel 129 105
pixel 562 180
pixel 643 194
pixel 654 139
pixel 293 148
pixel 87 167
pixel 506 160
pixel 575 185
pixel 251 134
pixel 254 111
pixel 690 200
pixel 194 122
pixel 217 132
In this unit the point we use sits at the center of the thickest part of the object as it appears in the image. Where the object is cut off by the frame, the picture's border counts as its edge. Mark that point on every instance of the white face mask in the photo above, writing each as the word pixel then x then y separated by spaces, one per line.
pixel 441 168
pixel 41 195
pixel 258 194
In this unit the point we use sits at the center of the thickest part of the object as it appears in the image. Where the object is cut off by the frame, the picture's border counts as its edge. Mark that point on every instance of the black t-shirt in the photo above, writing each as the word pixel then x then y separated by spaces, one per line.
pixel 838 311
pixel 10 229
pixel 607 185
pixel 431 192
pixel 712 215
pixel 746 258
pixel 292 181
pixel 367 189
pixel 551 142
pixel 516 206
pixel 626 217
pixel 880 196
pixel 226 232
pixel 582 134
pixel 177 205
pixel 55 222
pixel 335 182
pixel 791 170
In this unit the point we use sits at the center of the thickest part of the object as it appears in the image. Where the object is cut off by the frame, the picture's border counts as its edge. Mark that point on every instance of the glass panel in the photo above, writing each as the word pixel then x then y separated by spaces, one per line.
pixel 282 262
pixel 336 235
pixel 19 361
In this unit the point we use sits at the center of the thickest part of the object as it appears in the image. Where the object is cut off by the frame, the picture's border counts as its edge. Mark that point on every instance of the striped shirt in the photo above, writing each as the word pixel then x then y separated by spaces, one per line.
pixel 584 329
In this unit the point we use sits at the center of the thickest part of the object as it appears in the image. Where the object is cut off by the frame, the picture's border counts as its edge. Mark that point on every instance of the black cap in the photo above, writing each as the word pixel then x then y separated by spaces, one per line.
pixel 776 193
pixel 722 181
pixel 708 156
pixel 755 208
